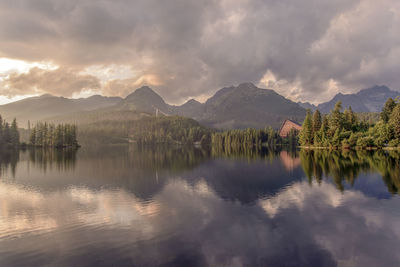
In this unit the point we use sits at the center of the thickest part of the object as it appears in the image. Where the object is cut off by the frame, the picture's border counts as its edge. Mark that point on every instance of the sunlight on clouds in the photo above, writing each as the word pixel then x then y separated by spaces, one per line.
pixel 291 90
pixel 110 72
pixel 150 79
pixel 8 65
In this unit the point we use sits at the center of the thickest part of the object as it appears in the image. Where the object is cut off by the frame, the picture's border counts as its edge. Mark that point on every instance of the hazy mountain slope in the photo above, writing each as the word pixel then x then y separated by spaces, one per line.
pixel 41 107
pixel 367 100
pixel 248 106
pixel 144 99
pixel 98 115
pixel 191 109
pixel 231 107
pixel 307 105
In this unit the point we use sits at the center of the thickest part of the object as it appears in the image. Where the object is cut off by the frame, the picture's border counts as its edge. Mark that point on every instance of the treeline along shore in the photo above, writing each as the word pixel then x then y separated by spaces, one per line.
pixel 175 130
pixel 41 135
pixel 344 129
pixel 335 130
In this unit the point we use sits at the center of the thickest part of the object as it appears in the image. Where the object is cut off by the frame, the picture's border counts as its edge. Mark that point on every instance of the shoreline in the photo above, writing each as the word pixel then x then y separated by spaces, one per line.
pixel 350 148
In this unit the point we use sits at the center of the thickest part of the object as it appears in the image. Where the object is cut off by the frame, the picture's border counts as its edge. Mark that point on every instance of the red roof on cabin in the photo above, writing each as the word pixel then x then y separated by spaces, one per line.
pixel 287 126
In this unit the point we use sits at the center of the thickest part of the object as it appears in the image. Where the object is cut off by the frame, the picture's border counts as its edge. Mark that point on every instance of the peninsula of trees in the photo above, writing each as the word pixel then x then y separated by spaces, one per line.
pixel 9 135
pixel 344 129
pixel 51 135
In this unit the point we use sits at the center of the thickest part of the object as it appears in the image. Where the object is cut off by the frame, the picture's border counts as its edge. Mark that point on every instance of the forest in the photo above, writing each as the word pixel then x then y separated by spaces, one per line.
pixel 245 138
pixel 9 135
pixel 146 130
pixel 152 130
pixel 51 135
pixel 334 130
pixel 345 129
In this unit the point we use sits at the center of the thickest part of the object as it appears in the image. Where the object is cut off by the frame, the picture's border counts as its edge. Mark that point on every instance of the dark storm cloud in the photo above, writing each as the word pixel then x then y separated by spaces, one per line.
pixel 195 47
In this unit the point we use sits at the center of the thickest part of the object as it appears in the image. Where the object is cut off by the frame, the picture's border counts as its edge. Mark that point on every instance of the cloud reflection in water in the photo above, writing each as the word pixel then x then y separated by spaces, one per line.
pixel 190 224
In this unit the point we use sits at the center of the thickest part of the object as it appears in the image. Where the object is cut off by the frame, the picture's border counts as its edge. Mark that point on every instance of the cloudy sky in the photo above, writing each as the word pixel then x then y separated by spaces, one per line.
pixel 306 50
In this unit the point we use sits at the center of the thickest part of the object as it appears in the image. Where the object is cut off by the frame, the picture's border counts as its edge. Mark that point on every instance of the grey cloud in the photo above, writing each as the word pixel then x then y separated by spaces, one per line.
pixel 196 47
pixel 60 82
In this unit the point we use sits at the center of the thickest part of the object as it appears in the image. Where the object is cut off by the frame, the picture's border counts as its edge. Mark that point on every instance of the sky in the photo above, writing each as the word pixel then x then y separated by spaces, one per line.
pixel 306 50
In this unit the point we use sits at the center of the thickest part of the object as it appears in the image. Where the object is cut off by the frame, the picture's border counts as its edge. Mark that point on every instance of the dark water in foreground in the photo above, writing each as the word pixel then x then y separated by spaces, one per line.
pixel 124 206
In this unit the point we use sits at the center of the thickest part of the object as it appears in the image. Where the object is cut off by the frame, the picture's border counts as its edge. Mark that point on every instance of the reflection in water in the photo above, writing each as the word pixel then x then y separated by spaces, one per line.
pixel 8 160
pixel 62 159
pixel 128 206
pixel 346 167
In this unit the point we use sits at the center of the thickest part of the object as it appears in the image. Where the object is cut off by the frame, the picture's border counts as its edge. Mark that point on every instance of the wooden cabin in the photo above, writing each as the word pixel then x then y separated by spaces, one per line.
pixel 287 126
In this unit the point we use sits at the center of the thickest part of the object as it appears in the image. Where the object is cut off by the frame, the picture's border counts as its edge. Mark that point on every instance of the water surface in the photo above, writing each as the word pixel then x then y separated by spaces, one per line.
pixel 129 206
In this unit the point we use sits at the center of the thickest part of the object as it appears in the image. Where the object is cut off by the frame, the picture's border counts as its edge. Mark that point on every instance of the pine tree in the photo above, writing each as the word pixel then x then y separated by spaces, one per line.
pixel 6 134
pixel 388 109
pixel 306 133
pixel 325 124
pixel 336 119
pixel 59 139
pixel 1 131
pixel 350 119
pixel 395 121
pixel 336 138
pixel 14 134
pixel 32 138
pixel 316 121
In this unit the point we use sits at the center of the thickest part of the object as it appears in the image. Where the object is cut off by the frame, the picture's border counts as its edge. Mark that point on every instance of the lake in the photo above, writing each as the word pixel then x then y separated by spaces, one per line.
pixel 130 206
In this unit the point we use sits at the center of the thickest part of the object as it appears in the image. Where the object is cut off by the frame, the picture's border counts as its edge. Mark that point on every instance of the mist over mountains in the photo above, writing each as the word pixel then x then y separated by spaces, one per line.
pixel 232 107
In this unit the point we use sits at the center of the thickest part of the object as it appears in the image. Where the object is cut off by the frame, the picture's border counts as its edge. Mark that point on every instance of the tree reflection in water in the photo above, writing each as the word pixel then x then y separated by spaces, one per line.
pixel 346 166
pixel 343 167
pixel 49 158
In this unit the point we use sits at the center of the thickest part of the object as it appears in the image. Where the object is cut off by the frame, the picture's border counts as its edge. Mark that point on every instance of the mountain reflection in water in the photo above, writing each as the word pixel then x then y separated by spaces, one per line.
pixel 129 206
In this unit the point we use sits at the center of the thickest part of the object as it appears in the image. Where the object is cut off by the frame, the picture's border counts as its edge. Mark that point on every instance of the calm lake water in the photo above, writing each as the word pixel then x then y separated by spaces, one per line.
pixel 124 206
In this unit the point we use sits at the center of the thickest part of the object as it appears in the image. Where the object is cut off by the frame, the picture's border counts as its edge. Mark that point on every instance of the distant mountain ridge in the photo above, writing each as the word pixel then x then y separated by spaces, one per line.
pixel 242 106
pixel 307 105
pixel 231 107
pixel 41 107
pixel 367 100
pixel 249 106
pixel 239 106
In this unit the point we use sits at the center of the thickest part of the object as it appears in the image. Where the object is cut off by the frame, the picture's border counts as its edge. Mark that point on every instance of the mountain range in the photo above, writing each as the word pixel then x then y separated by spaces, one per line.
pixel 367 100
pixel 232 107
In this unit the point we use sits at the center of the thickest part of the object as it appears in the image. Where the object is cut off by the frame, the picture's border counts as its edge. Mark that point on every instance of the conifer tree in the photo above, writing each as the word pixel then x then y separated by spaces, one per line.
pixel 14 134
pixel 388 109
pixel 316 122
pixel 306 133
pixel 6 134
pixel 1 131
pixel 350 119
pixel 395 121
pixel 49 135
pixel 325 124
pixel 32 138
pixel 336 120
